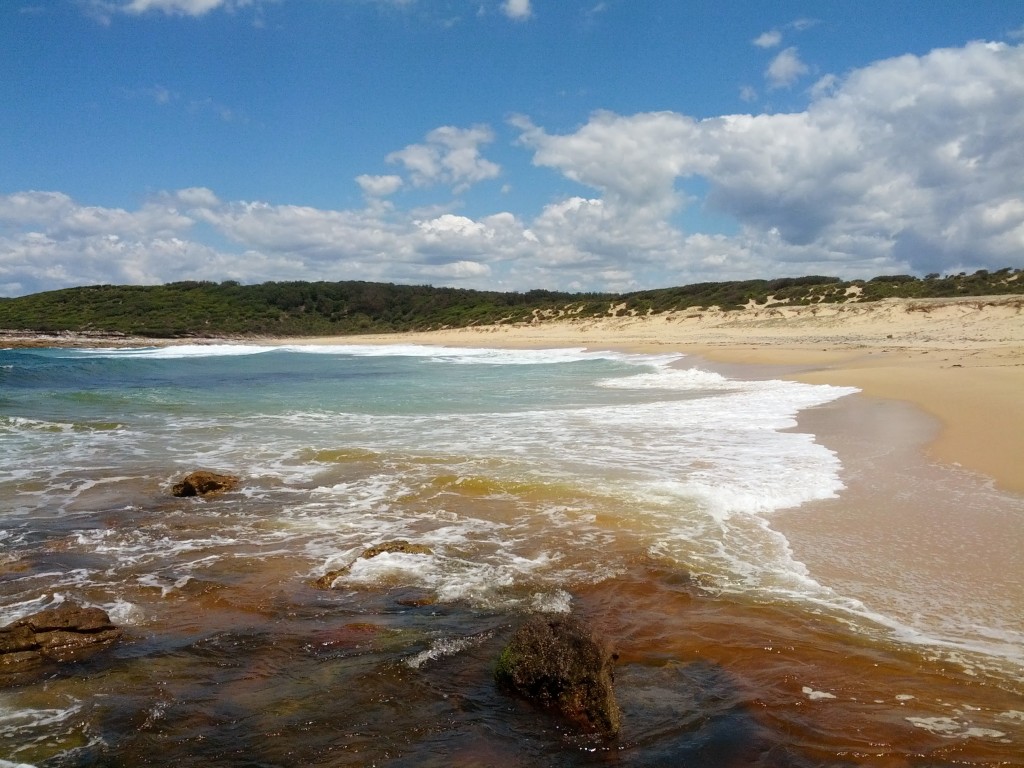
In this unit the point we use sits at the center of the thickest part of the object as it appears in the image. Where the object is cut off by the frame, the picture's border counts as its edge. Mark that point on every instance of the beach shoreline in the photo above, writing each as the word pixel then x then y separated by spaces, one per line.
pixel 960 360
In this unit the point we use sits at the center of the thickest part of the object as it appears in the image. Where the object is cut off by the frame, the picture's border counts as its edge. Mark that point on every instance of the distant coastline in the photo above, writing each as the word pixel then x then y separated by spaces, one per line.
pixel 200 309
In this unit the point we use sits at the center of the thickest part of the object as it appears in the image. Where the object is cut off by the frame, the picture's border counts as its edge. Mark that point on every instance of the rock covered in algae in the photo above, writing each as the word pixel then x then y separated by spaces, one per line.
pixel 399 546
pixel 201 482
pixel 557 662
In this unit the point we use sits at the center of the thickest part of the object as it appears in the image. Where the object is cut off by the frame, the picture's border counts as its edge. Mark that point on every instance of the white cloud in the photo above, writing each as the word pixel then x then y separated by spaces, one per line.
pixel 32 208
pixel 518 10
pixel 179 7
pixel 768 39
pixel 785 69
pixel 195 197
pixel 449 156
pixel 634 160
pixel 104 10
pixel 379 186
pixel 825 86
pixel 58 215
pixel 912 164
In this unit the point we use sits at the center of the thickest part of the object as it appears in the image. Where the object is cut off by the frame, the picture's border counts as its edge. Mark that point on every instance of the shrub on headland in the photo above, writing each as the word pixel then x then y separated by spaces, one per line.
pixel 205 309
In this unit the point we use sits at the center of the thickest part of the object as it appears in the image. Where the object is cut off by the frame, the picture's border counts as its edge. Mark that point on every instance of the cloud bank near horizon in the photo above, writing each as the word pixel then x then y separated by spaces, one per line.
pixel 911 164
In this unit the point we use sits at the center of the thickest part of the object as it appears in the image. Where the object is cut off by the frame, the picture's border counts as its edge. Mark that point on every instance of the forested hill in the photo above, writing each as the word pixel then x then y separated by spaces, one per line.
pixel 302 308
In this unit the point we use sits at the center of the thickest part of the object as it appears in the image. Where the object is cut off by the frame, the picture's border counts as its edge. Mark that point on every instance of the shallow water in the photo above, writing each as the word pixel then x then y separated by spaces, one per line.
pixel 628 489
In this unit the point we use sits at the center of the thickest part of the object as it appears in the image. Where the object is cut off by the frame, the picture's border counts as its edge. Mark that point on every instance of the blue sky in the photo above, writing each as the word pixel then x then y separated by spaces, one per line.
pixel 507 144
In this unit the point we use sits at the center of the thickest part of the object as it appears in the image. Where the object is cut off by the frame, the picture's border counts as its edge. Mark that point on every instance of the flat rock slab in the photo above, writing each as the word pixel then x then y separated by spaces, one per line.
pixel 67 632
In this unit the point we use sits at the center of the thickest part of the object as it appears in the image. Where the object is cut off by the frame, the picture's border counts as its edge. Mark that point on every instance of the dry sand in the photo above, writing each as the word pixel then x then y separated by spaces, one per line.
pixel 960 360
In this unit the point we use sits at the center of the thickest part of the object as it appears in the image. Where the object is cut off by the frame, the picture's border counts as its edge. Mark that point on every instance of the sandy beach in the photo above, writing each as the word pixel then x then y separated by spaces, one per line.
pixel 959 360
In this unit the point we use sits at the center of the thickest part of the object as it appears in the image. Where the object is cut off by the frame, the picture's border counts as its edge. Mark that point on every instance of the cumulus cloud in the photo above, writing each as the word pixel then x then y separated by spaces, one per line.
pixel 449 156
pixel 517 10
pixel 633 160
pixel 60 216
pixel 195 197
pixel 379 186
pixel 911 164
pixel 47 240
pixel 785 69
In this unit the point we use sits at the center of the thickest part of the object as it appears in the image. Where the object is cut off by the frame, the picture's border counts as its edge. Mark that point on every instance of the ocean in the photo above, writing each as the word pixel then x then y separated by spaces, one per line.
pixel 640 492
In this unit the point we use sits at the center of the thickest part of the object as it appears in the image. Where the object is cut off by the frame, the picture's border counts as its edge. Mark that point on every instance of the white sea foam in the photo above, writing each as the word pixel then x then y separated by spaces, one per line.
pixel 446 646
pixel 814 695
pixel 674 379
pixel 174 352
pixel 19 610
pixel 451 579
pixel 15 719
pixel 458 355
pixel 557 601
pixel 124 613
pixel 952 728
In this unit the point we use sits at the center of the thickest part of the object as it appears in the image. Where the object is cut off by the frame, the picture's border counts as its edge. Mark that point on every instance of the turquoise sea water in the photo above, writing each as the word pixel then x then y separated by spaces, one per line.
pixel 557 480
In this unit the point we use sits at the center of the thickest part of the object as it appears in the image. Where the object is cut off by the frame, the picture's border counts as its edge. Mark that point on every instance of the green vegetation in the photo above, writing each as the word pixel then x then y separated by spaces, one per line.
pixel 292 308
pixel 208 309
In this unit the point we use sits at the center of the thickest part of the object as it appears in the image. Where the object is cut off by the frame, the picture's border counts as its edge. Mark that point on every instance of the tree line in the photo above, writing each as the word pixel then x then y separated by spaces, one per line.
pixel 201 308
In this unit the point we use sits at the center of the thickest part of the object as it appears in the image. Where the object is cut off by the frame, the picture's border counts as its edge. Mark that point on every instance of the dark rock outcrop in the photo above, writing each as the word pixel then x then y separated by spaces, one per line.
pixel 201 482
pixel 557 662
pixel 67 632
pixel 399 546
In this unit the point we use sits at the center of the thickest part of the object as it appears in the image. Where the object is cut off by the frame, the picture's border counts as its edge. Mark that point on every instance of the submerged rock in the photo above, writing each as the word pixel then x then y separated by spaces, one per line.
pixel 400 546
pixel 557 662
pixel 67 632
pixel 201 482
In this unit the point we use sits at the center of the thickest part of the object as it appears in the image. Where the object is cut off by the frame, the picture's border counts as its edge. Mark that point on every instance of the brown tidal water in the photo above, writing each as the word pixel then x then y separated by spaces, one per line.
pixel 248 665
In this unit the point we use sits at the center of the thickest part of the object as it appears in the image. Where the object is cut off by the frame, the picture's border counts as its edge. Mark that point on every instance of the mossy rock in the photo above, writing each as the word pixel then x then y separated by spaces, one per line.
pixel 557 662
pixel 201 483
